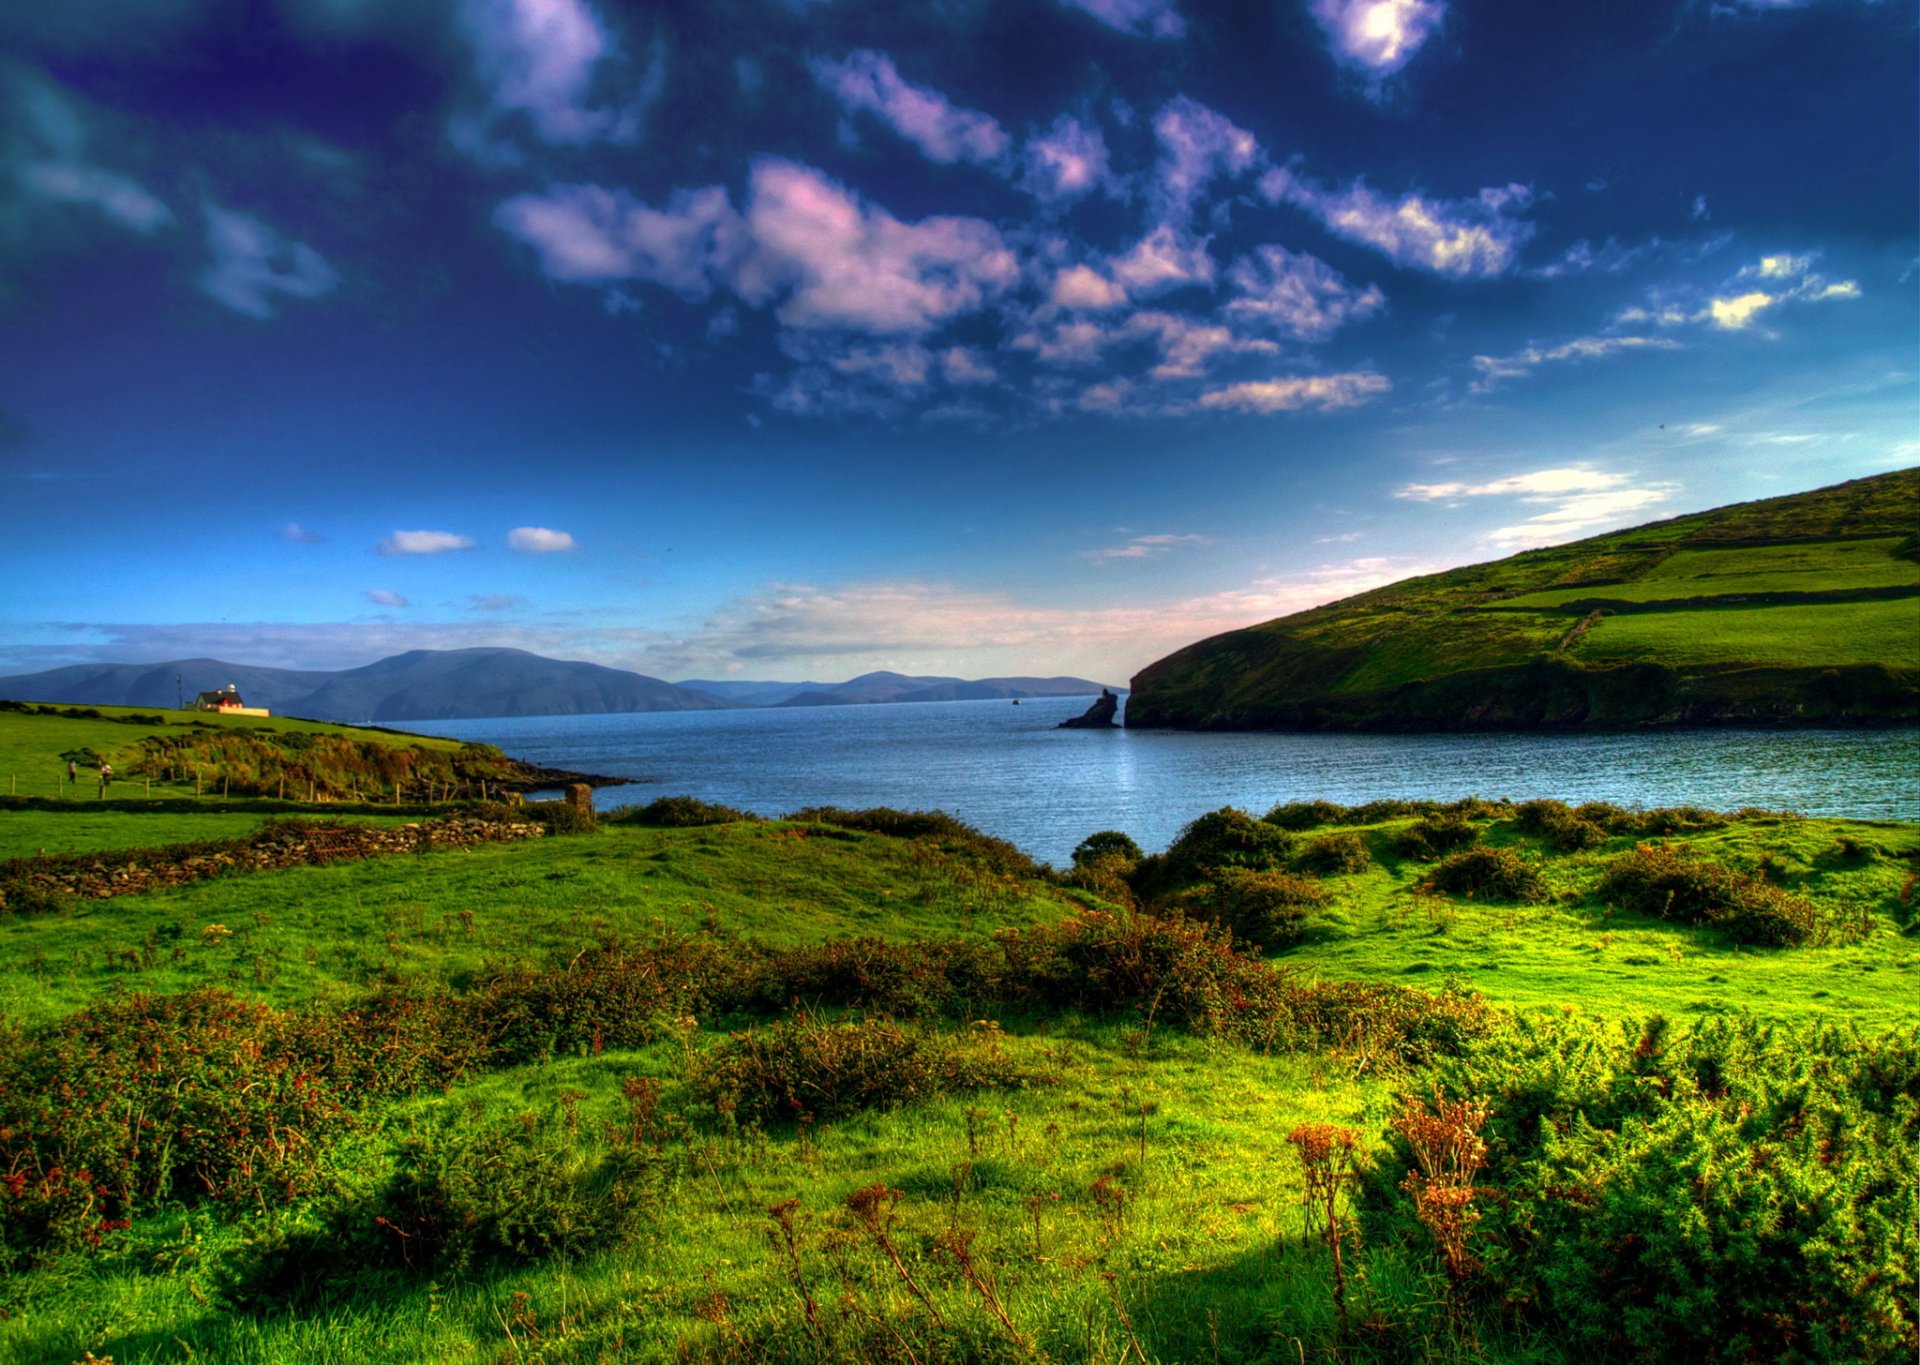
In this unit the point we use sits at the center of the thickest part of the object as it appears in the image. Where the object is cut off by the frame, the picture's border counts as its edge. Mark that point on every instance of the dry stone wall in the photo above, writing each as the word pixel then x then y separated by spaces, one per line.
pixel 28 882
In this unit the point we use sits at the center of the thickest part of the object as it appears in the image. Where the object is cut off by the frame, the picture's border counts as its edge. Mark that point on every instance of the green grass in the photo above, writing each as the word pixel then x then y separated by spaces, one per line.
pixel 1502 646
pixel 31 745
pixel 1824 636
pixel 1831 566
pixel 314 933
pixel 1209 1262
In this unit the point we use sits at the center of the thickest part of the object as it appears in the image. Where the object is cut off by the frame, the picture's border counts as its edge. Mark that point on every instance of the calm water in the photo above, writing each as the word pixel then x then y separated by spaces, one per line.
pixel 1006 769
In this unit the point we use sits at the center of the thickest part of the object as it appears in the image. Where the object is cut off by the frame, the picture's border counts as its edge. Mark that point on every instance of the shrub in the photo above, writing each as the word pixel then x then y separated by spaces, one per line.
pixel 1671 884
pixel 1220 840
pixel 1428 838
pixel 1731 1191
pixel 679 812
pixel 1266 909
pixel 561 817
pixel 1334 855
pixel 524 1189
pixel 1563 829
pixel 935 826
pixel 1493 873
pixel 1304 815
pixel 1106 847
pixel 873 975
pixel 151 1098
pixel 824 1069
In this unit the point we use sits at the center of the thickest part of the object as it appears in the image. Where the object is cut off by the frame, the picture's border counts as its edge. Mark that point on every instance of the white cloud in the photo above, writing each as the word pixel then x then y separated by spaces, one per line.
pixel 539 59
pixel 496 601
pixel 1144 547
pixel 1494 370
pixel 855 266
pixel 1066 162
pixel 1738 305
pixel 1197 145
pixel 536 540
pixel 585 234
pixel 252 262
pixel 868 81
pixel 1085 289
pixel 1145 18
pixel 1065 344
pixel 965 366
pixel 836 261
pixel 1296 296
pixel 1326 392
pixel 1166 258
pixel 1576 499
pixel 51 165
pixel 117 196
pixel 299 535
pixel 1188 346
pixel 1378 36
pixel 383 597
pixel 1463 238
pixel 424 543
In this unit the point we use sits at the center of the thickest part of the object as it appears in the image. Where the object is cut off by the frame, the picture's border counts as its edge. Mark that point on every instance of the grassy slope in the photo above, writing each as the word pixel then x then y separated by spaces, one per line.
pixel 31 745
pixel 1210 1262
pixel 1692 627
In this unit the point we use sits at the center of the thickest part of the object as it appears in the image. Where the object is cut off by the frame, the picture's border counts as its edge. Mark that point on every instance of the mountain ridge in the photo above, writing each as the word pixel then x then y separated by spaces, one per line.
pixel 1796 610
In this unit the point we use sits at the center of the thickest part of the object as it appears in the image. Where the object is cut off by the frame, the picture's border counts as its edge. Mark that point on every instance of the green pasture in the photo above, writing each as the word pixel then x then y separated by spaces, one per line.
pixel 31 745
pixel 1128 1191
pixel 1824 635
pixel 1829 566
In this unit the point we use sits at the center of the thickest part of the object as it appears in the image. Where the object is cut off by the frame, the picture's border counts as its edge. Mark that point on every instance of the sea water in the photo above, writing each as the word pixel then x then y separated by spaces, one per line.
pixel 1007 770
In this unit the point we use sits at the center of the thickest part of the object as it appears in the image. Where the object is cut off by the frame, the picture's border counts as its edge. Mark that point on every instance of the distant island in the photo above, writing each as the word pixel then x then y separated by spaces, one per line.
pixel 467 684
pixel 1797 610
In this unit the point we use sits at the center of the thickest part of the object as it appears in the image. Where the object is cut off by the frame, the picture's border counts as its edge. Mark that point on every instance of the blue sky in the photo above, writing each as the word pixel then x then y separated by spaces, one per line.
pixel 762 339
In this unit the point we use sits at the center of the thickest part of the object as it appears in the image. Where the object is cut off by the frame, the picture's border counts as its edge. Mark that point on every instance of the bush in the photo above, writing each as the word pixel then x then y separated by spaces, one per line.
pixel 938 828
pixel 1216 842
pixel 1564 830
pixel 1493 873
pixel 147 1099
pixel 1106 847
pixel 679 812
pixel 1304 815
pixel 1670 884
pixel 519 1190
pixel 1731 1191
pixel 824 1069
pixel 561 817
pixel 1428 838
pixel 1266 909
pixel 1333 855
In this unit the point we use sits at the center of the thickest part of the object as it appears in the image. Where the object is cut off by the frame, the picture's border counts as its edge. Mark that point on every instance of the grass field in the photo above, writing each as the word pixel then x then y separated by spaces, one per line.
pixel 31 745
pixel 1505 645
pixel 1094 1151
pixel 1831 566
pixel 1829 635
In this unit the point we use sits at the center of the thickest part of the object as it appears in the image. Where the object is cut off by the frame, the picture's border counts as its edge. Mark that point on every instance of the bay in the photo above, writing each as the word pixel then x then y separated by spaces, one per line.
pixel 1006 770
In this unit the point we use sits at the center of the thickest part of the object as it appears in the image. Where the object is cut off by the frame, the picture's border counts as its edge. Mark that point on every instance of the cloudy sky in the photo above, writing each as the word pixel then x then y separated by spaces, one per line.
pixel 794 338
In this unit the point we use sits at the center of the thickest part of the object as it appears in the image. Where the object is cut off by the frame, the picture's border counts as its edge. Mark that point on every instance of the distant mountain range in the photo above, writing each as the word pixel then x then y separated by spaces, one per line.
pixel 464 684
pixel 872 688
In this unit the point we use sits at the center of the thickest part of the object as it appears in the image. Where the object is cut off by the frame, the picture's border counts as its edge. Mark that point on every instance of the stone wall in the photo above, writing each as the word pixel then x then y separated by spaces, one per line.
pixel 26 882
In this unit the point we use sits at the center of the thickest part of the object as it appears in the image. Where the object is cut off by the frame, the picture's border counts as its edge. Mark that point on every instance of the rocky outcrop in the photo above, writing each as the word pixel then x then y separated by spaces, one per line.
pixel 1099 716
pixel 32 883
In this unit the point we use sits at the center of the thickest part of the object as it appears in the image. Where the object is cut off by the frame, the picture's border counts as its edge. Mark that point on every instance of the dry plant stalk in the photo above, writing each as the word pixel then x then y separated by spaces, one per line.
pixel 786 1240
pixel 1446 1144
pixel 1327 1157
pixel 873 1208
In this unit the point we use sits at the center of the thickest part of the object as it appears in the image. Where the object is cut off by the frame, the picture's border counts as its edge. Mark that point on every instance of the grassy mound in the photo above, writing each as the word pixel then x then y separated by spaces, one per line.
pixel 1793 610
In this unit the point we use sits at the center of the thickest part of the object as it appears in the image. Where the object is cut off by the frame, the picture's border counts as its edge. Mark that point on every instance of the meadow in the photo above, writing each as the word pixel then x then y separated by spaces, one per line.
pixel 1514 1083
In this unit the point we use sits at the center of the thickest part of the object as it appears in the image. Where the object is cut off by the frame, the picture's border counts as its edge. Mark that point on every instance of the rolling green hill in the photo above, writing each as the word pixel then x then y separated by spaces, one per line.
pixel 1795 610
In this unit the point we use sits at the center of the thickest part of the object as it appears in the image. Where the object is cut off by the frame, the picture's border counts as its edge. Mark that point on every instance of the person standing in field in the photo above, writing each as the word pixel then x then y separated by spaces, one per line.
pixel 73 772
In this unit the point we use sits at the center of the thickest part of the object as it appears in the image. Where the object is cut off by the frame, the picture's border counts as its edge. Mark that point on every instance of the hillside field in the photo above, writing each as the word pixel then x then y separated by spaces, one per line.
pixel 869 1085
pixel 1796 610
